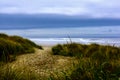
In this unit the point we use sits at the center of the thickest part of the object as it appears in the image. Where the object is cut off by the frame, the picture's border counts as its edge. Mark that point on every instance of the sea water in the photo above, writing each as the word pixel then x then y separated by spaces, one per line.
pixel 109 35
pixel 54 41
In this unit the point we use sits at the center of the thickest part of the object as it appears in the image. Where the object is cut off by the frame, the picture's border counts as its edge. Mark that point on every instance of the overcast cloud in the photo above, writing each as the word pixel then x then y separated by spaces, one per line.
pixel 92 8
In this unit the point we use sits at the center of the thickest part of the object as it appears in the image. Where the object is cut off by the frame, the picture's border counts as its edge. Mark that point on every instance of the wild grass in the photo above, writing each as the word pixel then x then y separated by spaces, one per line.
pixel 95 62
pixel 10 46
pixel 38 66
pixel 92 62
pixel 7 72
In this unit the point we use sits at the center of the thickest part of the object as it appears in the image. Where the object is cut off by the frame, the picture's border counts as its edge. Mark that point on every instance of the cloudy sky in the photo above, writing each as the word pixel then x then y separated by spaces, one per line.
pixel 92 8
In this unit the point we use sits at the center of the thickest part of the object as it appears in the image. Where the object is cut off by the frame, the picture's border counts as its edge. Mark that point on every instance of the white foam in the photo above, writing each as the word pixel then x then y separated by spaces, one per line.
pixel 54 41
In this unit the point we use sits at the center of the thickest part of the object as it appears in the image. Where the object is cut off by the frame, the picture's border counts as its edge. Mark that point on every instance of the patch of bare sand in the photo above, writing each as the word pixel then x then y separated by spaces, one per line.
pixel 43 62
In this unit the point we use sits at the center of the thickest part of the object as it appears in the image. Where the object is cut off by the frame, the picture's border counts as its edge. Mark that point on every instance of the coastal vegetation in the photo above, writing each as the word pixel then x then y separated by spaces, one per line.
pixel 95 62
pixel 71 61
pixel 10 46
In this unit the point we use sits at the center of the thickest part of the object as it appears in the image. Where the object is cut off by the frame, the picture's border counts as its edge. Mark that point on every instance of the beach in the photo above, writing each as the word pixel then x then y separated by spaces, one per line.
pixel 55 41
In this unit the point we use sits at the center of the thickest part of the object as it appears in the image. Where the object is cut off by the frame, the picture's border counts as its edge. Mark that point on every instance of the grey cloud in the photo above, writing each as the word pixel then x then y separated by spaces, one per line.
pixel 95 8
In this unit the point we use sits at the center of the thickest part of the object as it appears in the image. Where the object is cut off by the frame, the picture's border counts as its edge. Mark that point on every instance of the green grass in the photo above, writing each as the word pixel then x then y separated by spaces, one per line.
pixel 95 62
pixel 10 46
pixel 92 50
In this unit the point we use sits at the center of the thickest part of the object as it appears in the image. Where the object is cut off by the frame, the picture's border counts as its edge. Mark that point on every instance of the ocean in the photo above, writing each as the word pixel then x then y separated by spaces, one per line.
pixel 109 35
pixel 52 29
pixel 54 41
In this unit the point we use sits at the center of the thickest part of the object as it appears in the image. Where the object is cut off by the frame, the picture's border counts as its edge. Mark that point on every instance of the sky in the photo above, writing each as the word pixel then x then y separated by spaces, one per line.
pixel 90 8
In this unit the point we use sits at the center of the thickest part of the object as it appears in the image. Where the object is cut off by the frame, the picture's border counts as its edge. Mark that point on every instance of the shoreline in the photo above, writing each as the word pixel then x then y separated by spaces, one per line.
pixel 55 41
pixel 51 45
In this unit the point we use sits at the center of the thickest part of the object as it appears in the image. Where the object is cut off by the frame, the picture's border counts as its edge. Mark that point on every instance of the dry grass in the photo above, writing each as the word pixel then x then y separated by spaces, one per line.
pixel 42 64
pixel 84 65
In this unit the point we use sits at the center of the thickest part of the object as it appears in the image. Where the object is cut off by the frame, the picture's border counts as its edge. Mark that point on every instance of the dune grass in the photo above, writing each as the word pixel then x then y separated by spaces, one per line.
pixel 7 72
pixel 92 62
pixel 41 65
pixel 10 46
pixel 95 62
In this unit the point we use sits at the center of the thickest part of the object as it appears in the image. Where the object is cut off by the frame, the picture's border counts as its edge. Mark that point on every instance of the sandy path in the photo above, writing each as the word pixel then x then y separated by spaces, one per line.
pixel 43 62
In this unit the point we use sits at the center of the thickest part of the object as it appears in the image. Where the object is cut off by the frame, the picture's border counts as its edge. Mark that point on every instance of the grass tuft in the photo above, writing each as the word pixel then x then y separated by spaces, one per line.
pixel 10 46
pixel 95 62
